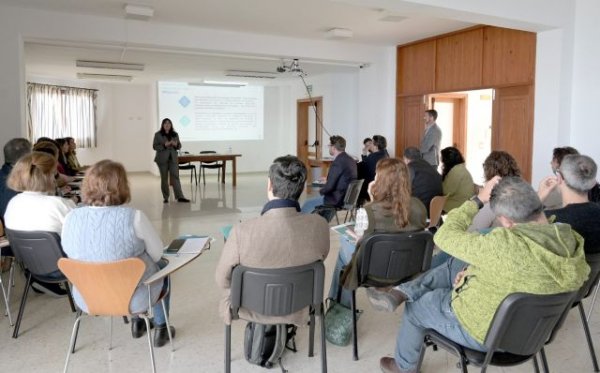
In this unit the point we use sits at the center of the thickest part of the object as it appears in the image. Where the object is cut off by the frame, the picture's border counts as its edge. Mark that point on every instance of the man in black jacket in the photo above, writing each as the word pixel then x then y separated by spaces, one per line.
pixel 341 172
pixel 426 182
pixel 366 168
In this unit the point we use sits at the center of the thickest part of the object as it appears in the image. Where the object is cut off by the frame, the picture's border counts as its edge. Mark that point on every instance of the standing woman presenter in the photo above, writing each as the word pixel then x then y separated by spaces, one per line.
pixel 166 143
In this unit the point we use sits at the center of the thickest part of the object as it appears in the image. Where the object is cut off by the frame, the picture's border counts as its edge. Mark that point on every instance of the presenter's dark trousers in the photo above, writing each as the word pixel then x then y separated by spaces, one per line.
pixel 170 169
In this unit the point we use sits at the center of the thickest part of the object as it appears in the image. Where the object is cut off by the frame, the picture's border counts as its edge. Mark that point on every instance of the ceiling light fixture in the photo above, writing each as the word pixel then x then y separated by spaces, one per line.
pixel 110 65
pixel 87 76
pixel 339 33
pixel 139 12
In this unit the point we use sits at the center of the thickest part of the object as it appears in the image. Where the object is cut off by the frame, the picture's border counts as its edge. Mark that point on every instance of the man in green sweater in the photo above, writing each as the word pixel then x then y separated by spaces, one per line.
pixel 526 254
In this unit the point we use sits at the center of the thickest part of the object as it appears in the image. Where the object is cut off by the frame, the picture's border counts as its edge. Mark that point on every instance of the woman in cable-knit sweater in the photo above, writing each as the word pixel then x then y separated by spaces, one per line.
pixel 107 230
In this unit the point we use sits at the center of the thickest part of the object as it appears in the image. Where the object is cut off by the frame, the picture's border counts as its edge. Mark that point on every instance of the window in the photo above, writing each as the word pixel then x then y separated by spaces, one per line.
pixel 57 111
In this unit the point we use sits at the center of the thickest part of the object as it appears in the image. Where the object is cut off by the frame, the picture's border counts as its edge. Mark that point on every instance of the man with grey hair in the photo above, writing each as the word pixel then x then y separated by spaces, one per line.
pixel 575 177
pixel 13 150
pixel 526 254
pixel 426 182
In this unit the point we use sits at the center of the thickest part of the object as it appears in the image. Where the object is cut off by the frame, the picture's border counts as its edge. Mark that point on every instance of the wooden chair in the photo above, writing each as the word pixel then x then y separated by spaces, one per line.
pixel 436 206
pixel 107 289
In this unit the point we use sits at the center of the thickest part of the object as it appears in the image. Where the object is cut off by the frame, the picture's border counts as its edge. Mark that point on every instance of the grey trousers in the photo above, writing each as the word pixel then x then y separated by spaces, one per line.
pixel 170 168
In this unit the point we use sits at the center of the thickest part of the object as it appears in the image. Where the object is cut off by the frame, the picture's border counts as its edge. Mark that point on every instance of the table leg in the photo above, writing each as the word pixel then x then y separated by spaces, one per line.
pixel 224 171
pixel 233 173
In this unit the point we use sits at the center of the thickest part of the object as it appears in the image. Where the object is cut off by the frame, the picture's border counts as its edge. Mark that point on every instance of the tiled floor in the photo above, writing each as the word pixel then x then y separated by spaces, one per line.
pixel 46 327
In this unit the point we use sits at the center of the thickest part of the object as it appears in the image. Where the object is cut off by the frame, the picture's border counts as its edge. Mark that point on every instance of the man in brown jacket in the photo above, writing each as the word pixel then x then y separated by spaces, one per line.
pixel 281 237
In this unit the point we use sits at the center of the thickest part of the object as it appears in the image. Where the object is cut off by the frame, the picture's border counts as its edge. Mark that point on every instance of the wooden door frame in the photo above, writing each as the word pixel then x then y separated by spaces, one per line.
pixel 459 131
pixel 302 149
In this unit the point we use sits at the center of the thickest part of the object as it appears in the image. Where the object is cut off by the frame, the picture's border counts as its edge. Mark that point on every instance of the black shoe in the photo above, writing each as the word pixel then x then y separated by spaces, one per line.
pixel 161 335
pixel 48 288
pixel 182 199
pixel 138 327
pixel 166 200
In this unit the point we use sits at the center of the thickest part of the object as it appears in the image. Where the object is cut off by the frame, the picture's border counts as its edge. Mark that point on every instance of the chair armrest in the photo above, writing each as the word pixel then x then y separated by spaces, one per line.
pixel 175 262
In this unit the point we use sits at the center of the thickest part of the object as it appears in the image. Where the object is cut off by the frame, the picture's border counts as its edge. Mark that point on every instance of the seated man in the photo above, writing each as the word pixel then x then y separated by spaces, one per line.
pixel 575 177
pixel 426 181
pixel 526 254
pixel 341 172
pixel 281 237
pixel 366 168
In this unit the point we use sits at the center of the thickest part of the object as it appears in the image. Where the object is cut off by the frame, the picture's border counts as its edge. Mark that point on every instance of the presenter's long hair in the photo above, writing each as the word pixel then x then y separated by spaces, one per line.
pixel 392 189
pixel 171 132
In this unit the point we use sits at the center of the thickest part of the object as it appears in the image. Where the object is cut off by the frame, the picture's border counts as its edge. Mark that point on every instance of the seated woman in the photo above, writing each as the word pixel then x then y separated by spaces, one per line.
pixel 63 150
pixel 457 182
pixel 72 160
pixel 50 147
pixel 37 208
pixel 107 230
pixel 392 209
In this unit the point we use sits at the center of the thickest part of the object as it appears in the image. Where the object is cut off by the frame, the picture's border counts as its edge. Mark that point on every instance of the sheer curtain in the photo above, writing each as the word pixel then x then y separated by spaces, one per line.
pixel 56 111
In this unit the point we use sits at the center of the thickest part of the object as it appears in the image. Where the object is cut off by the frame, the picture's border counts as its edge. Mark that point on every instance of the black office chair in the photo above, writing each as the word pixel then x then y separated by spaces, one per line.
pixel 521 326
pixel 189 167
pixel 350 201
pixel 219 166
pixel 586 290
pixel 278 292
pixel 39 252
pixel 388 259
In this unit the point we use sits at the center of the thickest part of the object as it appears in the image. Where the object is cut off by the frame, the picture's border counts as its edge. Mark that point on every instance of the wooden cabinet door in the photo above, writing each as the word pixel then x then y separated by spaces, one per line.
pixel 458 61
pixel 416 68
pixel 409 122
pixel 508 57
pixel 512 124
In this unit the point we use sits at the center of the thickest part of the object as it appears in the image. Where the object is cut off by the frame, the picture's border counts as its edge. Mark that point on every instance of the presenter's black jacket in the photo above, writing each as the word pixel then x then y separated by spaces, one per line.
pixel 341 172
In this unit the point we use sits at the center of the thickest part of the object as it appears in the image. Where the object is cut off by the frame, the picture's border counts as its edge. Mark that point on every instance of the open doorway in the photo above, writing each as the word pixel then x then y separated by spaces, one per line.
pixel 465 119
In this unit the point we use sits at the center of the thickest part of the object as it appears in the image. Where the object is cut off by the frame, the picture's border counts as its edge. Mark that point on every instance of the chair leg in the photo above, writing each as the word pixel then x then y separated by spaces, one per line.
pixel 228 348
pixel 110 327
pixel 70 296
pixel 125 320
pixel 346 217
pixel 6 299
pixel 586 329
pixel 323 341
pixel 150 342
pixel 354 334
pixel 162 301
pixel 311 333
pixel 203 177
pixel 336 217
pixel 73 340
pixel 536 366
pixel 589 312
pixel 544 361
pixel 22 306
pixel 421 355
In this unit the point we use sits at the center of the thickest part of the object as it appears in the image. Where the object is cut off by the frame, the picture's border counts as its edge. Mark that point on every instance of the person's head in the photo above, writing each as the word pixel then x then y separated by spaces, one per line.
pixel 412 154
pixel 430 116
pixel 105 184
pixel 166 126
pixel 513 200
pixel 48 147
pixel 380 142
pixel 72 145
pixel 337 144
pixel 367 142
pixel 500 163
pixel 43 138
pixel 392 187
pixel 578 173
pixel 33 172
pixel 15 149
pixel 450 158
pixel 558 154
pixel 287 175
pixel 63 145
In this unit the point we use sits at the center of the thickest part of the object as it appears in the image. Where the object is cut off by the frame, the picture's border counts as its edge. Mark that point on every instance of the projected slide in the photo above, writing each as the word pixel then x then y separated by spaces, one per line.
pixel 204 113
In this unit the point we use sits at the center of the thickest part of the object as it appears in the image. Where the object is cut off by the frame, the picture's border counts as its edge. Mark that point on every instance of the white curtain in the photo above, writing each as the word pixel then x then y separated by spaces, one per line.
pixel 56 112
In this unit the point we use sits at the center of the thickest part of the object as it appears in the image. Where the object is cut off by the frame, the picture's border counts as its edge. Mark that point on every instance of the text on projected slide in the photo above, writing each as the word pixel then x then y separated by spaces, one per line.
pixel 204 113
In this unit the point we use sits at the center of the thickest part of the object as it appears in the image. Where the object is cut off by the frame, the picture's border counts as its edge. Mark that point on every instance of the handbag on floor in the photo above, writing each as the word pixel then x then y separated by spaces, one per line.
pixel 338 323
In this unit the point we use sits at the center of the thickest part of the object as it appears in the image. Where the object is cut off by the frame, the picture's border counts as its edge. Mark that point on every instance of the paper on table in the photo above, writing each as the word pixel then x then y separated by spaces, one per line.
pixel 346 230
pixel 193 245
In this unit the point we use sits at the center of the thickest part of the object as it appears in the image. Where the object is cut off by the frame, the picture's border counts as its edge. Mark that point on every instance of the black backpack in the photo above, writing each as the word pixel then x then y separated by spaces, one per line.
pixel 264 344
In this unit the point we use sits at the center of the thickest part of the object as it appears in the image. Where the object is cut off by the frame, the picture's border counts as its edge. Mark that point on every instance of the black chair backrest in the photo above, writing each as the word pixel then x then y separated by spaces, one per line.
pixel 523 323
pixel 389 258
pixel 593 260
pixel 352 194
pixel 39 251
pixel 209 152
pixel 276 292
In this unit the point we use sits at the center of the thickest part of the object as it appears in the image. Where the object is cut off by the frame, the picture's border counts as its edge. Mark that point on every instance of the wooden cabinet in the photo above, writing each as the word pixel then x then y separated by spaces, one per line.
pixel 508 57
pixel 416 68
pixel 458 61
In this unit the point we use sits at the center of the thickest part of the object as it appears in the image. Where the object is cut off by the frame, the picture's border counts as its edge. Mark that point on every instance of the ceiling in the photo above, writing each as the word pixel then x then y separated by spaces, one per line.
pixel 308 19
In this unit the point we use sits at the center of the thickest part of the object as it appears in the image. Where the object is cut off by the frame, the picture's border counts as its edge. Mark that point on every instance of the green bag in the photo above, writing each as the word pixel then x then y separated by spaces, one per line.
pixel 338 324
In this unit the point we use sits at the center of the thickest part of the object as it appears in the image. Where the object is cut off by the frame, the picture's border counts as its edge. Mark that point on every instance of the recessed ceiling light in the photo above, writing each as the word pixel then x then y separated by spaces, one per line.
pixel 139 12
pixel 339 33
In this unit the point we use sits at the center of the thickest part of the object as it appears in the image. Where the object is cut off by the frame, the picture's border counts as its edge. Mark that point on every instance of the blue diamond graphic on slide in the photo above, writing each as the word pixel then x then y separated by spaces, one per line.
pixel 184 121
pixel 184 101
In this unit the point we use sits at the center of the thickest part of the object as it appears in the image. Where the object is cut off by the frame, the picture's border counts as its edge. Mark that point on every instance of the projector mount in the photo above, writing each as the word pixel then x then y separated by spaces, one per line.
pixel 292 67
